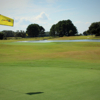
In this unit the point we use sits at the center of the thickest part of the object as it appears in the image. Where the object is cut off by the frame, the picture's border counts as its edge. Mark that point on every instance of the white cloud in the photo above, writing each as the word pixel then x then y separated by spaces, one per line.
pixel 42 16
pixel 12 6
pixel 77 22
pixel 87 23
pixel 41 19
pixel 84 23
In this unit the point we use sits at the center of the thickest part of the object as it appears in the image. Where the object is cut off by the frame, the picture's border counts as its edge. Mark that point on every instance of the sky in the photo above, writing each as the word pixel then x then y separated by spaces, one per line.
pixel 48 12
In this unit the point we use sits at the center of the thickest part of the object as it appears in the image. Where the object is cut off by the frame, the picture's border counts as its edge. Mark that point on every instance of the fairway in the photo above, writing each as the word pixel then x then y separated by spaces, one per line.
pixel 50 71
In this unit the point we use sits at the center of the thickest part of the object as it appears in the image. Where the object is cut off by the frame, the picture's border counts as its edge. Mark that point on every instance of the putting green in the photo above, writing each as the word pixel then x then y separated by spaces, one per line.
pixel 54 82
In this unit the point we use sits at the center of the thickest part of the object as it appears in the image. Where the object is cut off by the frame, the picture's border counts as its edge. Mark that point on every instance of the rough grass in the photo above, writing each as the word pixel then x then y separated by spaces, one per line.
pixel 61 71
pixel 76 37
pixel 87 51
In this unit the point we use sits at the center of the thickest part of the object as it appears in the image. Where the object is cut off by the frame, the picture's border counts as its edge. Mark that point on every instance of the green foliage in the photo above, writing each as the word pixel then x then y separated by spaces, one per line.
pixel 71 32
pixel 85 33
pixel 1 35
pixel 94 29
pixel 52 30
pixel 8 33
pixel 65 27
pixel 47 33
pixel 20 34
pixel 33 30
pixel 42 31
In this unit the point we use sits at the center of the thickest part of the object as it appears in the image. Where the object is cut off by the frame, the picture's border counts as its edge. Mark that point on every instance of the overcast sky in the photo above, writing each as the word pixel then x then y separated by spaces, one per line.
pixel 48 12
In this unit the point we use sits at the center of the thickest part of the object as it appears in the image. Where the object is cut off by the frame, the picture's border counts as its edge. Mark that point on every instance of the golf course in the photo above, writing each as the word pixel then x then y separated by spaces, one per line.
pixel 50 71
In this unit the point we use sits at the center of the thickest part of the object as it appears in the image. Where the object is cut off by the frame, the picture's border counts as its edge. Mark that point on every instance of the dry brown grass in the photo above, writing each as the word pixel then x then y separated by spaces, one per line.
pixel 78 51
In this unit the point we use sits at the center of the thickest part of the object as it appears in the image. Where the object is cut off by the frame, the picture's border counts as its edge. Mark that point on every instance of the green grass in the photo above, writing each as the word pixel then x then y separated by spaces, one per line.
pixel 76 37
pixel 62 71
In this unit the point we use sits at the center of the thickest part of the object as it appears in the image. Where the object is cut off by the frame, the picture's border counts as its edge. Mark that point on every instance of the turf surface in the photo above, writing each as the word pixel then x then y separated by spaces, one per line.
pixel 49 71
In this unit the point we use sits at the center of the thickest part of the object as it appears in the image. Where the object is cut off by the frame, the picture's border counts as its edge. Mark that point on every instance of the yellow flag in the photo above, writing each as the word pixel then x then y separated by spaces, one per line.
pixel 6 21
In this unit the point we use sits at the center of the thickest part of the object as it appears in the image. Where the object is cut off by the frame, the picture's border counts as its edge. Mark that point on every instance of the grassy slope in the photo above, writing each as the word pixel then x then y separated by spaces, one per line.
pixel 76 37
pixel 63 71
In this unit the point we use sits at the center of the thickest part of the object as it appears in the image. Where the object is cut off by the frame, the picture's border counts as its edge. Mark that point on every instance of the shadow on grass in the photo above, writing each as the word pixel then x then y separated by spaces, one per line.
pixel 33 93
pixel 29 93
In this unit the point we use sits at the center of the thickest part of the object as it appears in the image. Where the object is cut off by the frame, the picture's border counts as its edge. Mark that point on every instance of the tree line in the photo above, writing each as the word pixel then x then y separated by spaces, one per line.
pixel 62 28
pixel 9 33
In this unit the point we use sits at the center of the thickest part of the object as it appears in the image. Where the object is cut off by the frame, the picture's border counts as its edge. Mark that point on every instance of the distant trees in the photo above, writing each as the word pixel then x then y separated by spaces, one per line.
pixel 47 33
pixel 53 30
pixel 8 33
pixel 1 35
pixel 42 31
pixel 65 27
pixel 94 29
pixel 85 33
pixel 33 30
pixel 20 34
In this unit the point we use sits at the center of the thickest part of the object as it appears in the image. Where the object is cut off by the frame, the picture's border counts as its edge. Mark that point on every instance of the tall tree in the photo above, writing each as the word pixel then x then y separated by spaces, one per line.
pixel 94 28
pixel 65 27
pixel 52 30
pixel 33 30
